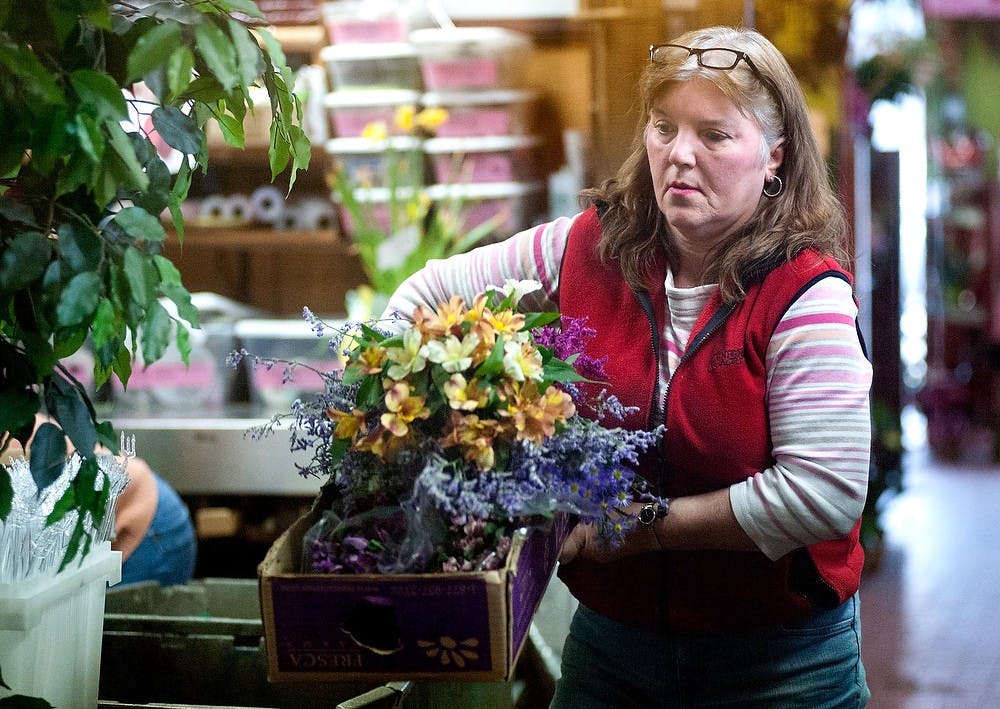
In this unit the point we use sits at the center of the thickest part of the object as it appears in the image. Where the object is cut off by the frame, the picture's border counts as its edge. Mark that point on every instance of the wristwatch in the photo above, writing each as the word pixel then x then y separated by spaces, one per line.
pixel 652 511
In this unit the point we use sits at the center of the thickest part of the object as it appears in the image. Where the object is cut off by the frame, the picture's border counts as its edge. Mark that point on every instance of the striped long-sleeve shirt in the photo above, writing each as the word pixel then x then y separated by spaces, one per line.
pixel 817 384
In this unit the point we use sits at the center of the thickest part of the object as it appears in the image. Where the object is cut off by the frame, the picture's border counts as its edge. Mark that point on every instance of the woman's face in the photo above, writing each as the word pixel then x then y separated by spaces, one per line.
pixel 706 164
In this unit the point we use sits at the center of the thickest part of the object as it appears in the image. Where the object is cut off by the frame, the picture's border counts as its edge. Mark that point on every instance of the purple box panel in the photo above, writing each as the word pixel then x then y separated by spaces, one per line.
pixel 359 625
pixel 534 568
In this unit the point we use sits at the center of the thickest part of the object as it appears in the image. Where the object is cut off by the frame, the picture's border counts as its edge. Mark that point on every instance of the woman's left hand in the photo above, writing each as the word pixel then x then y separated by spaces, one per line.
pixel 583 543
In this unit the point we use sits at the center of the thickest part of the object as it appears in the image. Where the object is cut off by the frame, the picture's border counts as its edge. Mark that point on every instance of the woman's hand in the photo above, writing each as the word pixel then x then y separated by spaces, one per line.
pixel 584 543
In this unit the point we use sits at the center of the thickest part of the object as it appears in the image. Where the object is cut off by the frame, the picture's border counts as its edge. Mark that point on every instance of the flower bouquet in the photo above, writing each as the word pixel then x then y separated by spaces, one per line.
pixel 453 449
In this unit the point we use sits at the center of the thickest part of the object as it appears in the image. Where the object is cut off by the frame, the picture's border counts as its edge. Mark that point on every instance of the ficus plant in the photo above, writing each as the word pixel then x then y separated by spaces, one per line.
pixel 98 100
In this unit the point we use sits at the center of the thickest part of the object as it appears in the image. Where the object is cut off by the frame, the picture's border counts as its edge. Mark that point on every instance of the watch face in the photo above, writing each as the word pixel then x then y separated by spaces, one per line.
pixel 647 514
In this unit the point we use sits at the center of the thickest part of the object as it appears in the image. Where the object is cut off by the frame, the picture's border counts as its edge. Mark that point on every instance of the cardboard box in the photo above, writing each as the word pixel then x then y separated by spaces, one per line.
pixel 457 627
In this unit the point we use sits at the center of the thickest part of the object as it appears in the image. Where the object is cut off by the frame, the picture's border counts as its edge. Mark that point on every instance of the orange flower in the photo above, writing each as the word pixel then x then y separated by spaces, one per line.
pixel 371 359
pixel 446 320
pixel 473 437
pixel 463 395
pixel 403 409
pixel 535 416
pixel 348 424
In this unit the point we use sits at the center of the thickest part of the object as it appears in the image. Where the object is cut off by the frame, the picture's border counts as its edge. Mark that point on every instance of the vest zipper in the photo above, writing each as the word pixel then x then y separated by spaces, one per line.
pixel 713 324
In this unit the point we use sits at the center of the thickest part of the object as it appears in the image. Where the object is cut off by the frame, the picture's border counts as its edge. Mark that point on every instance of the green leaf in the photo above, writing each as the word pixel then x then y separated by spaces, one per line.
pixel 71 411
pixel 99 95
pixel 249 59
pixel 218 53
pixel 79 247
pixel 182 183
pixel 48 455
pixel 246 7
pixel 155 333
pixel 6 498
pixel 79 298
pixel 183 341
pixel 178 129
pixel 143 278
pixel 180 70
pixel 153 49
pixel 21 701
pixel 106 329
pixel 17 405
pixel 141 225
pixel 125 172
pixel 68 341
pixel 89 137
pixel 232 130
pixel 38 85
pixel 24 261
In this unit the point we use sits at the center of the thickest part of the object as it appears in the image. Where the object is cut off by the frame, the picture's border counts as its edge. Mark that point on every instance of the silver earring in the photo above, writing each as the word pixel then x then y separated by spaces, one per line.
pixel 775 193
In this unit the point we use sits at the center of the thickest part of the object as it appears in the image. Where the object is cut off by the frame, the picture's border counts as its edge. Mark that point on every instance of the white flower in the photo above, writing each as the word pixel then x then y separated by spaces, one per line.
pixel 454 355
pixel 519 289
pixel 521 361
pixel 411 357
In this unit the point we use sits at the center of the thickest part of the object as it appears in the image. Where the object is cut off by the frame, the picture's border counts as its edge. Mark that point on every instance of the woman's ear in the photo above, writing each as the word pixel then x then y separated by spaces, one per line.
pixel 775 157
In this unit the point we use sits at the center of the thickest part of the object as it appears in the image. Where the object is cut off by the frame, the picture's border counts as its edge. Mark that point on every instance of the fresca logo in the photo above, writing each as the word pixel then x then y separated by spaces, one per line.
pixel 727 358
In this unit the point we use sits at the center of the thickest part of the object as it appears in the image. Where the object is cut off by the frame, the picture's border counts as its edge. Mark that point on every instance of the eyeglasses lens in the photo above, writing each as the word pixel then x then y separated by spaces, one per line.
pixel 719 58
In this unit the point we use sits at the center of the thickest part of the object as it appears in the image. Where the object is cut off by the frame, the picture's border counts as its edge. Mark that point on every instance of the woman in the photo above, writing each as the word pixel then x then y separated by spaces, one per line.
pixel 713 269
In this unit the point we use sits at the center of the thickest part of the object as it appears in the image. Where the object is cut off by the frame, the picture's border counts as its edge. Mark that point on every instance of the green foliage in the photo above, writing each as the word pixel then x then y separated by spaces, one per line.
pixel 82 188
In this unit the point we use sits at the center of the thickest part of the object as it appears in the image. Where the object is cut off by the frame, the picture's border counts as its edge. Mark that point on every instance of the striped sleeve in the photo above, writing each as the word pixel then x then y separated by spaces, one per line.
pixel 817 393
pixel 533 254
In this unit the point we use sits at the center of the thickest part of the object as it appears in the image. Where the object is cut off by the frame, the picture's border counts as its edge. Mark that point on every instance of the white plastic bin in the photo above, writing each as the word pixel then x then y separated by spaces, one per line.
pixel 516 205
pixel 353 109
pixel 496 158
pixel 50 630
pixel 366 162
pixel 471 57
pixel 285 339
pixel 480 113
pixel 365 21
pixel 374 65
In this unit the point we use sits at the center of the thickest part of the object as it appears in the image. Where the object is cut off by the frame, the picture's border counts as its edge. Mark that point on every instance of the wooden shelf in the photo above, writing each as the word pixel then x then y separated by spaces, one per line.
pixel 251 237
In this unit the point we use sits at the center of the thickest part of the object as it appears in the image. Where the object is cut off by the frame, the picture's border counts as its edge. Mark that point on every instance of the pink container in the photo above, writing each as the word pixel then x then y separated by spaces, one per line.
pixel 366 21
pixel 479 113
pixel 470 57
pixel 498 158
pixel 515 205
pixel 352 110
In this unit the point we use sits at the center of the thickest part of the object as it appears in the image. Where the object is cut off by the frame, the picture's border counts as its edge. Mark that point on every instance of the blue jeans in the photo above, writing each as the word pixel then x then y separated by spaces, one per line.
pixel 167 552
pixel 815 664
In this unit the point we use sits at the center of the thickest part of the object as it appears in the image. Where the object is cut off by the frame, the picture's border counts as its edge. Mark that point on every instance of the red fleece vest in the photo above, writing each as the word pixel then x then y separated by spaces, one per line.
pixel 717 435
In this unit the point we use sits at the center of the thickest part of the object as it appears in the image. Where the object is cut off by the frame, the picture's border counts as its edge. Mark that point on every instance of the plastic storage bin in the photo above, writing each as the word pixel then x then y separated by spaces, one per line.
pixel 352 110
pixel 471 57
pixel 499 158
pixel 480 113
pixel 515 205
pixel 364 21
pixel 366 162
pixel 285 339
pixel 391 65
pixel 50 630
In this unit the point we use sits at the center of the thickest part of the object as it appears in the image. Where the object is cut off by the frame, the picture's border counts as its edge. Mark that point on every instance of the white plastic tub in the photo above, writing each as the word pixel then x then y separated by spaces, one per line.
pixel 276 387
pixel 374 65
pixel 352 110
pixel 480 113
pixel 51 628
pixel 515 205
pixel 365 21
pixel 471 57
pixel 365 162
pixel 498 158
